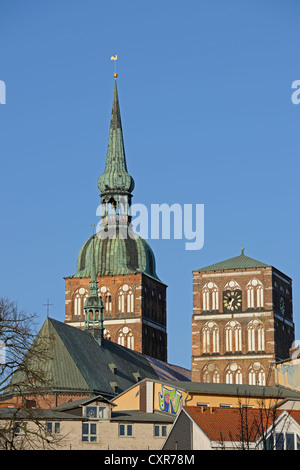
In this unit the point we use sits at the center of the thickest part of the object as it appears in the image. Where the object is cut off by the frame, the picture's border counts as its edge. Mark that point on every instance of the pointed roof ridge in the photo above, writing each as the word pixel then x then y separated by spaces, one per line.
pixel 115 177
pixel 79 363
pixel 237 262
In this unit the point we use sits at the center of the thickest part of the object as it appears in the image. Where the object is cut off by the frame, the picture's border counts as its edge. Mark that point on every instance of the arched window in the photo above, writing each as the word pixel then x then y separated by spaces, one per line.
pixel 233 374
pixel 121 302
pixel 126 299
pixel 121 339
pixel 256 336
pixel 256 374
pixel 210 373
pixel 108 303
pixel 125 337
pixel 81 295
pixel 233 336
pixel 255 294
pixel 205 295
pixel 210 338
pixel 77 305
pixel 130 341
pixel 130 301
pixel 106 334
pixel 210 297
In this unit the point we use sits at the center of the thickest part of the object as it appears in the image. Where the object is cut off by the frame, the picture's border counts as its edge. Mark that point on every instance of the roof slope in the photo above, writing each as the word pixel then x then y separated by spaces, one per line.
pixel 227 424
pixel 78 362
pixel 238 262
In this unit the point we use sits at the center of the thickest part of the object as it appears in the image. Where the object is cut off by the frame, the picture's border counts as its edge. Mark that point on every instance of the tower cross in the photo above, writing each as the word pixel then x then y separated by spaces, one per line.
pixel 47 305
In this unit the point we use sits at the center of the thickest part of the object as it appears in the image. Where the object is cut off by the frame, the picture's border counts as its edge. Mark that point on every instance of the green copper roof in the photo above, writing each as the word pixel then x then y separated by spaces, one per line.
pixel 116 256
pixel 238 262
pixel 115 178
pixel 78 363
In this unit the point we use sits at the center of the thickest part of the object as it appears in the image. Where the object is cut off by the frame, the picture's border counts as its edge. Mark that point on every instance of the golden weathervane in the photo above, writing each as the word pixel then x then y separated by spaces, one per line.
pixel 115 59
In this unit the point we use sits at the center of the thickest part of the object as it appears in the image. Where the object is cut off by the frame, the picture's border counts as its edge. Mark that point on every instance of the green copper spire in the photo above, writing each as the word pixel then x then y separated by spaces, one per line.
pixel 93 307
pixel 93 281
pixel 115 180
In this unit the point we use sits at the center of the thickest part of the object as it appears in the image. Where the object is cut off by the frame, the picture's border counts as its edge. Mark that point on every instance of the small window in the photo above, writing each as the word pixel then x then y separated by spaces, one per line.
pixel 125 430
pixel 279 441
pixel 95 412
pixel 91 412
pixel 89 432
pixel 20 427
pixel 52 428
pixel 160 430
pixel 290 441
pixel 102 412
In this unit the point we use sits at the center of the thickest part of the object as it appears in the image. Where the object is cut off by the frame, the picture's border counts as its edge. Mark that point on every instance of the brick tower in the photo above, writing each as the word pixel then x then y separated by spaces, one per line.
pixel 242 321
pixel 133 296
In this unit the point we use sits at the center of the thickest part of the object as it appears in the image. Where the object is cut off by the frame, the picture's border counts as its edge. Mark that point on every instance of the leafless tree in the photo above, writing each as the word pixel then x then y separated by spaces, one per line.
pixel 256 424
pixel 23 355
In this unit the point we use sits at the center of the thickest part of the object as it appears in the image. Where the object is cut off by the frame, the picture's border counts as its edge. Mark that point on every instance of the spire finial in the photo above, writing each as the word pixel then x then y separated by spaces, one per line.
pixel 242 250
pixel 115 59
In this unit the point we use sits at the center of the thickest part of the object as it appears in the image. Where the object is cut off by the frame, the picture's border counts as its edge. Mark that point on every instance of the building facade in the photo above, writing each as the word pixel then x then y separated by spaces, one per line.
pixel 133 296
pixel 242 321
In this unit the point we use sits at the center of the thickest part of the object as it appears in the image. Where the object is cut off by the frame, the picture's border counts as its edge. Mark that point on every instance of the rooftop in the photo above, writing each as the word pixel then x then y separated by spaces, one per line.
pixel 237 262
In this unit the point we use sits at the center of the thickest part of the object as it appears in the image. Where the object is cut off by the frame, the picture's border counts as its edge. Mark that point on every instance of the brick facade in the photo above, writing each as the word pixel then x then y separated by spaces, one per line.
pixel 241 346
pixel 134 310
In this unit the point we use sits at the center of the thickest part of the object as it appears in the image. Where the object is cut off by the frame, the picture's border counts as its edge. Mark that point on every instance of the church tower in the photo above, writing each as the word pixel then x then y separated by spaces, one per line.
pixel 134 298
pixel 242 321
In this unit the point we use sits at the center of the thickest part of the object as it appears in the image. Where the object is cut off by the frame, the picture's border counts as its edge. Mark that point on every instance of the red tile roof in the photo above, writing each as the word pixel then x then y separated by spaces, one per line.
pixel 232 424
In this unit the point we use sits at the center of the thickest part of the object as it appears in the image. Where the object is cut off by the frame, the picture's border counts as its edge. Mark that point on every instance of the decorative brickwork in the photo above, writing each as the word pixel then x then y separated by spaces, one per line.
pixel 134 310
pixel 242 323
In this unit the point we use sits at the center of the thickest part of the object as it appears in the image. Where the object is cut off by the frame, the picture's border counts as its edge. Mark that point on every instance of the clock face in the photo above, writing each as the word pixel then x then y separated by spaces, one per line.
pixel 232 300
pixel 282 305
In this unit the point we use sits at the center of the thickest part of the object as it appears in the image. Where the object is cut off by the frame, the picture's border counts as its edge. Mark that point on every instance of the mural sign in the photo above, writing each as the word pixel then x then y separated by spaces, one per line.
pixel 290 374
pixel 170 400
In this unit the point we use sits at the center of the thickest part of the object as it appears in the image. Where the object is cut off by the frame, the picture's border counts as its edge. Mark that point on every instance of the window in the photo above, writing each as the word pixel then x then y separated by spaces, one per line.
pixel 282 441
pixel 91 412
pixel 130 341
pixel 121 339
pixel 289 441
pixel 81 295
pixel 125 337
pixel 159 430
pixel 257 374
pixel 233 374
pixel 89 432
pixel 121 302
pixel 95 412
pixel 20 427
pixel 102 412
pixel 210 297
pixel 279 441
pixel 233 337
pixel 210 338
pixel 256 336
pixel 255 294
pixel 130 302
pixel 52 427
pixel 108 303
pixel 125 430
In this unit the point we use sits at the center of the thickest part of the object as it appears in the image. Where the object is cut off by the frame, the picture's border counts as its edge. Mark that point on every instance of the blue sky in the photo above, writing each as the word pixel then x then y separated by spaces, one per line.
pixel 205 96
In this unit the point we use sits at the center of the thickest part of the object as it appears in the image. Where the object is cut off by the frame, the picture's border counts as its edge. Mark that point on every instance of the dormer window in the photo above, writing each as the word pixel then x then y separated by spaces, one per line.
pixel 96 412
